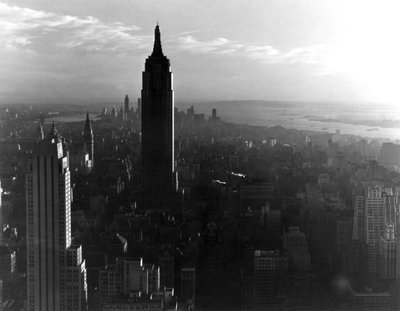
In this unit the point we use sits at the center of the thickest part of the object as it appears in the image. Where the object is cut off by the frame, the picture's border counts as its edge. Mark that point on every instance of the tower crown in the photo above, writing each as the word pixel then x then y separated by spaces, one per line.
pixel 157 49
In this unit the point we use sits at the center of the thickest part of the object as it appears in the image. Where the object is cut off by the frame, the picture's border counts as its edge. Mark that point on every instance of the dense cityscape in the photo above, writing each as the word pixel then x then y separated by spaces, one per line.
pixel 149 207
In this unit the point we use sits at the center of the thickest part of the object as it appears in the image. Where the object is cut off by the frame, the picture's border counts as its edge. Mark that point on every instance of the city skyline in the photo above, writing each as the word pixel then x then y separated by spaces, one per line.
pixel 233 204
pixel 275 50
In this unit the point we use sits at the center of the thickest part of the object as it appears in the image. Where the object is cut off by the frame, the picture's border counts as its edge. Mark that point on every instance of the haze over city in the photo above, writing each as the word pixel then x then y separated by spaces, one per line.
pixel 92 51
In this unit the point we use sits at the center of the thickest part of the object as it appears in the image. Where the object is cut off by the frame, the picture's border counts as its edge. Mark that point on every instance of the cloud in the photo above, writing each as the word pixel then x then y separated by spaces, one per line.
pixel 46 32
pixel 262 52
pixel 308 55
pixel 190 43
pixel 43 31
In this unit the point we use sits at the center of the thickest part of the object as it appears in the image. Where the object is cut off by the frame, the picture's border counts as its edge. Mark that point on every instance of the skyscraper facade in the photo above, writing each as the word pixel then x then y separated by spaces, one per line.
pixel 377 198
pixel 157 152
pixel 270 271
pixel 56 270
pixel 389 255
pixel 359 217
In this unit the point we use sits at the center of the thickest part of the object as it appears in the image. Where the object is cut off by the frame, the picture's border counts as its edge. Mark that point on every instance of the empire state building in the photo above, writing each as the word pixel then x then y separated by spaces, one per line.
pixel 157 153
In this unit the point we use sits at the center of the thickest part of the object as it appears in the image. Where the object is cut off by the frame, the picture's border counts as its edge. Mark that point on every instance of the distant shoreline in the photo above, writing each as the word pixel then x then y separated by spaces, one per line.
pixel 395 124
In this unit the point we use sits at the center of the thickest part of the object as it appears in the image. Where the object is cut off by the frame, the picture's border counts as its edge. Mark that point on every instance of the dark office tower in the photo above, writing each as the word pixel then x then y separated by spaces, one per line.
pixel 126 103
pixel 167 271
pixel 126 107
pixel 88 140
pixel 157 127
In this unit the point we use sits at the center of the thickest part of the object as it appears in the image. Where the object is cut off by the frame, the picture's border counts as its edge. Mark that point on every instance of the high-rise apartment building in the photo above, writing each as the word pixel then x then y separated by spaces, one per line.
pixel 167 271
pixel 188 284
pixel 295 244
pixel 389 252
pixel 270 271
pixel 56 270
pixel 126 277
pixel 7 263
pixel 344 228
pixel 157 152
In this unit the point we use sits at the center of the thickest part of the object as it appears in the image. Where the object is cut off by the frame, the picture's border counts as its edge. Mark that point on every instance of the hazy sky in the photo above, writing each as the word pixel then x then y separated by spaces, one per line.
pixel 94 50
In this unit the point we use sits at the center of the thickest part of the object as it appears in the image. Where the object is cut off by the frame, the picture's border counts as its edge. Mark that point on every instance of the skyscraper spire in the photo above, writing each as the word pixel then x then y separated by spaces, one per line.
pixel 53 132
pixel 126 103
pixel 88 131
pixel 157 49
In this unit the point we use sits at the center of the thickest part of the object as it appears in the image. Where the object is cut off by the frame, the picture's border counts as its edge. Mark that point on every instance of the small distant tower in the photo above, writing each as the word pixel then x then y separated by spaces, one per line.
pixel 213 115
pixel 39 132
pixel 126 107
pixel 114 112
pixel 88 140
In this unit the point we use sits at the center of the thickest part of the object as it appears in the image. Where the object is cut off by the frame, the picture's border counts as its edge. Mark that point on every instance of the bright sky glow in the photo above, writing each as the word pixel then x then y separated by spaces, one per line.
pixel 94 50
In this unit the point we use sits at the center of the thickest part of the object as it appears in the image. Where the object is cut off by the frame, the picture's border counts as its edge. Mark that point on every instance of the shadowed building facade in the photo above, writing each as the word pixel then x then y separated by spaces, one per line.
pixel 157 152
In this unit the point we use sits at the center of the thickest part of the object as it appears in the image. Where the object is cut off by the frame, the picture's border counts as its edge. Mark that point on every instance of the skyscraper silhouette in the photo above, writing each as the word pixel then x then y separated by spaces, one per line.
pixel 157 127
pixel 126 107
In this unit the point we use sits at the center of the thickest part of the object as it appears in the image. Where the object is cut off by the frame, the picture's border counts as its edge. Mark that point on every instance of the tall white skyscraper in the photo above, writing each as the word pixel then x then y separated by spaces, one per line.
pixel 377 199
pixel 56 270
